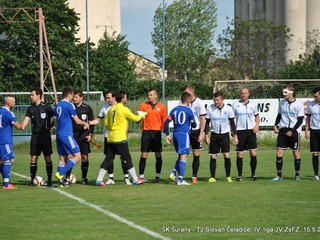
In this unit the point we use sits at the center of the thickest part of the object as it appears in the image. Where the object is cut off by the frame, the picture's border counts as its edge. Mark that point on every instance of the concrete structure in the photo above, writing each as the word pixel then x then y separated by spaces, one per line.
pixel 103 15
pixel 301 16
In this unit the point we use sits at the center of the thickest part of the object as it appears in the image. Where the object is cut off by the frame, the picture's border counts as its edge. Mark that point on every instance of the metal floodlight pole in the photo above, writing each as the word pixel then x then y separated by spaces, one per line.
pixel 163 51
pixel 87 51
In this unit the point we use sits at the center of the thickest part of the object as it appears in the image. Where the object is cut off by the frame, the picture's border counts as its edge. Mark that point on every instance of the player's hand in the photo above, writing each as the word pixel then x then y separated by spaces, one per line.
pixel 89 137
pixel 235 140
pixel 276 129
pixel 289 133
pixel 256 128
pixel 168 138
pixel 142 114
pixel 86 125
pixel 207 139
pixel 307 135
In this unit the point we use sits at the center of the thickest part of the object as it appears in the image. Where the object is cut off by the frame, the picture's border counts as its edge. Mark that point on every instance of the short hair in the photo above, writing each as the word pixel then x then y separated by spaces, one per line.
pixel 78 92
pixel 153 89
pixel 66 91
pixel 289 87
pixel 185 96
pixel 316 90
pixel 244 87
pixel 113 93
pixel 189 86
pixel 38 91
pixel 218 94
pixel 120 95
pixel 8 98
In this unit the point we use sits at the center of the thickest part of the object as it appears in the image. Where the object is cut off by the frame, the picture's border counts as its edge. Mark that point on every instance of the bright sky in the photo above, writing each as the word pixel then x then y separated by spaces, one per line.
pixel 137 22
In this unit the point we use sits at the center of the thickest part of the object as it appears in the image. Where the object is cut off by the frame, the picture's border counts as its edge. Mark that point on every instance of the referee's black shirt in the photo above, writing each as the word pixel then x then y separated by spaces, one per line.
pixel 40 116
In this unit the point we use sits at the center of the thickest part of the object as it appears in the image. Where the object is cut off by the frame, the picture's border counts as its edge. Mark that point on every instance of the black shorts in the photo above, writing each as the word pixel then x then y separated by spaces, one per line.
pixel 219 143
pixel 84 145
pixel 41 142
pixel 284 142
pixel 247 140
pixel 151 141
pixel 314 141
pixel 195 145
pixel 122 149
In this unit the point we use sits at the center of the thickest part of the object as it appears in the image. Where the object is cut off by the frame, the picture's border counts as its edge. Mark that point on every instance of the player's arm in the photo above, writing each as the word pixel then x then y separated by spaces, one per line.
pixel 233 131
pixel 167 129
pixel 17 125
pixel 307 133
pixel 202 127
pixel 206 130
pixel 80 122
pixel 257 122
pixel 275 127
pixel 95 121
pixel 25 122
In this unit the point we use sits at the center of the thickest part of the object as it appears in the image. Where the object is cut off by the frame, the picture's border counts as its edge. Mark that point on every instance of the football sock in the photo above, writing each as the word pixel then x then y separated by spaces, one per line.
pixel 124 167
pixel 279 164
pixel 315 164
pixel 176 167
pixel 84 169
pixel 110 176
pixel 297 164
pixel 182 169
pixel 253 165
pixel 101 174
pixel 142 165
pixel 195 165
pixel 1 168
pixel 49 169
pixel 6 173
pixel 213 166
pixel 132 172
pixel 68 173
pixel 227 166
pixel 33 170
pixel 239 165
pixel 158 165
pixel 60 167
pixel 69 165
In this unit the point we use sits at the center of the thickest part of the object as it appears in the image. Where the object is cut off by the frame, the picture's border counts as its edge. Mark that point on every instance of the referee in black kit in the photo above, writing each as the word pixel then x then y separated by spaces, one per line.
pixel 81 135
pixel 41 115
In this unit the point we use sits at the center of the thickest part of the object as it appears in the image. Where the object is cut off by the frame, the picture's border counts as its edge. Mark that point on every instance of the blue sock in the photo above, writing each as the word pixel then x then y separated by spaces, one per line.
pixel 6 173
pixel 67 167
pixel 60 168
pixel 176 167
pixel 182 169
pixel 1 168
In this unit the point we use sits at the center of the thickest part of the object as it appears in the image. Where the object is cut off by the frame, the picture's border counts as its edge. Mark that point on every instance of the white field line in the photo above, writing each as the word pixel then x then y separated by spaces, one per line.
pixel 106 212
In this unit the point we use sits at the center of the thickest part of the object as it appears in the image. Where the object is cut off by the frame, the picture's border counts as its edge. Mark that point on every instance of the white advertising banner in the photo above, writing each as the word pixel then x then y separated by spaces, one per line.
pixel 268 108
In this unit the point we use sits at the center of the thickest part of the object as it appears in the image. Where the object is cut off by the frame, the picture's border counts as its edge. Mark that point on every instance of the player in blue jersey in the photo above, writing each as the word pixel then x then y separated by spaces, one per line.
pixel 312 130
pixel 7 120
pixel 182 116
pixel 68 149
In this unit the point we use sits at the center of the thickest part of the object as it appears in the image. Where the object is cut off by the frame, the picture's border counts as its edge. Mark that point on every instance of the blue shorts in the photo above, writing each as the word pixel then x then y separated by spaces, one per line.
pixel 6 152
pixel 181 141
pixel 67 145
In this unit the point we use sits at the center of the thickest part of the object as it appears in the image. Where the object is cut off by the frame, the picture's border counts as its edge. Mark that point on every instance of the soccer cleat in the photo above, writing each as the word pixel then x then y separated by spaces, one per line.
pixel 229 179
pixel 172 177
pixel 183 183
pixel 143 180
pixel 212 180
pixel 84 181
pixel 58 176
pixel 100 183
pixel 9 187
pixel 31 184
pixel 138 182
pixel 297 178
pixel 194 180
pixel 157 180
pixel 316 178
pixel 127 181
pixel 239 179
pixel 62 184
pixel 254 178
pixel 277 178
pixel 110 182
pixel 48 184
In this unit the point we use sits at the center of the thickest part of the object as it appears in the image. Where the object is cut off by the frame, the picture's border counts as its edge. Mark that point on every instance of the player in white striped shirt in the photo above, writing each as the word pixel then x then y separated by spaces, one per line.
pixel 312 130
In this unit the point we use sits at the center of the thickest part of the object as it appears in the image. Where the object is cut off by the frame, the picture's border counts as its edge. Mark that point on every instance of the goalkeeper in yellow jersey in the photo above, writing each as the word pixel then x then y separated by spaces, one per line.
pixel 116 122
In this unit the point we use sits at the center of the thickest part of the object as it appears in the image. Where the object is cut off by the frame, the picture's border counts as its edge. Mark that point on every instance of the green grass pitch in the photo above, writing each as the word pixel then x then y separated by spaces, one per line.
pixel 240 210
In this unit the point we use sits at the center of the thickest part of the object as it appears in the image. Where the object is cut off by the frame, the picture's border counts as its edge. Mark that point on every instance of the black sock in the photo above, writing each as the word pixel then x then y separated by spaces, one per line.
pixel 239 165
pixel 33 170
pixel 279 164
pixel 158 164
pixel 213 166
pixel 315 163
pixel 49 168
pixel 297 164
pixel 227 166
pixel 195 166
pixel 253 165
pixel 68 173
pixel 84 169
pixel 142 165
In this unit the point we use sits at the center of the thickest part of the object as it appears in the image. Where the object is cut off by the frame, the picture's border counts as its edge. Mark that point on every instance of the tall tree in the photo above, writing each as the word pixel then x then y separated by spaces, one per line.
pixel 189 30
pixel 19 46
pixel 254 48
pixel 110 66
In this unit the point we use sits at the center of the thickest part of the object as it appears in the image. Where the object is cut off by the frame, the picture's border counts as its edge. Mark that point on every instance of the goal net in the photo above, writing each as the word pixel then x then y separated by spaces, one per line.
pixel 260 89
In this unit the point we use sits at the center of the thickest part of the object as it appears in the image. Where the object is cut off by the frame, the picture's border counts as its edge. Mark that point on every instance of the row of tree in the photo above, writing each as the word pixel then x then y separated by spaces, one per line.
pixel 247 49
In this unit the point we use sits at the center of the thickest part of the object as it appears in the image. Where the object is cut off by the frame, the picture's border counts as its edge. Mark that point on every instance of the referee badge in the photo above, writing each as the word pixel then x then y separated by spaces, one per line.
pixel 43 115
pixel 84 117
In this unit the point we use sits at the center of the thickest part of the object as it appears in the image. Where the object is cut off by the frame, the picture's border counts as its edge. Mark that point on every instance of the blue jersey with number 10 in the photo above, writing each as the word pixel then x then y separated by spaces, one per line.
pixel 182 116
pixel 64 111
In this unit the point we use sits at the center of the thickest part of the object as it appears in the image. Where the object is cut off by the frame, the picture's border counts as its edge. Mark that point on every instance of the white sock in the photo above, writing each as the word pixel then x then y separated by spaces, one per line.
pixel 133 174
pixel 101 174
pixel 141 176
